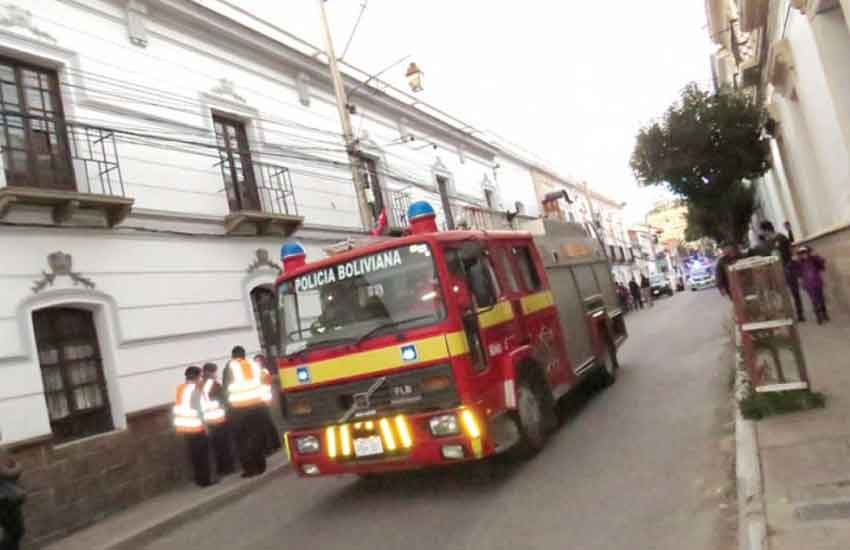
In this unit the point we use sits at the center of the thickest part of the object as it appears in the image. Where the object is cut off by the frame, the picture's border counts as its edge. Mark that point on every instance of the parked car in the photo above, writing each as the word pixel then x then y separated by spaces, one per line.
pixel 701 280
pixel 660 285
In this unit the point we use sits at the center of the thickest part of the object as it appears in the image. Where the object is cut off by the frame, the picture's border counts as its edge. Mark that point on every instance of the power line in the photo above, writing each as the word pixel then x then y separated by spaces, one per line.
pixel 354 30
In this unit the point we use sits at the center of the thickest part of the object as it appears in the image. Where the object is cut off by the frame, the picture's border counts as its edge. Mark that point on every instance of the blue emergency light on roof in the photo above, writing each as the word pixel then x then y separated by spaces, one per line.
pixel 293 255
pixel 422 218
pixel 419 208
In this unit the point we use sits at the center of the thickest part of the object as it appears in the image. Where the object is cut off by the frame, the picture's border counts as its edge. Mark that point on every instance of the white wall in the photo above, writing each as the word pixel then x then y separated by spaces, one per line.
pixel 170 288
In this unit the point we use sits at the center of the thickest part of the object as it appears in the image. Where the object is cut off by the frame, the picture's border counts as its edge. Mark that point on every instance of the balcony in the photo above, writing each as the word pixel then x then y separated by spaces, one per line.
pixel 272 211
pixel 84 176
pixel 482 219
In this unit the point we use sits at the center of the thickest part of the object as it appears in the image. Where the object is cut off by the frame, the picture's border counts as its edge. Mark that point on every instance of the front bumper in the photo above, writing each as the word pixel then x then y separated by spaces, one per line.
pixel 425 449
pixel 700 285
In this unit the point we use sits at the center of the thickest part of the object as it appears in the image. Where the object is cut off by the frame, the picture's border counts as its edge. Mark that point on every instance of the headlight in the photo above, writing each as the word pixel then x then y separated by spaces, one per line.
pixel 445 424
pixel 307 444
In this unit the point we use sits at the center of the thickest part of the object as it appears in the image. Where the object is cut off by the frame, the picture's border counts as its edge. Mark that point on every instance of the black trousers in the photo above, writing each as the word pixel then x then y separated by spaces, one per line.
pixel 221 439
pixel 250 426
pixel 272 441
pixel 794 287
pixel 12 522
pixel 200 457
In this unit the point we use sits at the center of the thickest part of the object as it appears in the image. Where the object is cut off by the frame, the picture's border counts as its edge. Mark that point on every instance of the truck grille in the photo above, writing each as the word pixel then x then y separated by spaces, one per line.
pixel 409 391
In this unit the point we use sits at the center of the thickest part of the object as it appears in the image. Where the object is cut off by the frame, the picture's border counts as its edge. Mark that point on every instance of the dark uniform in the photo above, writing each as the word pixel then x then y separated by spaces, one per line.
pixel 221 437
pixel 248 413
pixel 189 422
pixel 11 502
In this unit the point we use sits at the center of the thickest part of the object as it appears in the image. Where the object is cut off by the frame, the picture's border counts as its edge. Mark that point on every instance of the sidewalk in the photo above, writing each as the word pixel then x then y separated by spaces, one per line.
pixel 129 528
pixel 805 457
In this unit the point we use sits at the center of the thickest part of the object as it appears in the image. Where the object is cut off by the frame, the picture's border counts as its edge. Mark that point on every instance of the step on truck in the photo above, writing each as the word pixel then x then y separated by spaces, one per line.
pixel 439 347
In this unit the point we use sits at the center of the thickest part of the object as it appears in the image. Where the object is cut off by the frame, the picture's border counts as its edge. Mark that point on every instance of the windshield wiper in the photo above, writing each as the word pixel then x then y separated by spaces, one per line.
pixel 390 324
pixel 337 340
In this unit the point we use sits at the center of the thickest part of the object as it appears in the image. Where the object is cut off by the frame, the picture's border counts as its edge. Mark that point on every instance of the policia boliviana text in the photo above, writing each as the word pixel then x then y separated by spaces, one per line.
pixel 212 416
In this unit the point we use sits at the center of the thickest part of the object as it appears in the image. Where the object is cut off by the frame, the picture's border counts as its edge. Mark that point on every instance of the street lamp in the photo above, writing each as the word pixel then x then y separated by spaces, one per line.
pixel 414 77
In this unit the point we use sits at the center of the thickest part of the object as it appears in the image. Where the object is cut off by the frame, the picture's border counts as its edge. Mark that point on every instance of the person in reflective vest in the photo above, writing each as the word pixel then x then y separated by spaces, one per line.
pixel 272 441
pixel 216 418
pixel 189 422
pixel 242 380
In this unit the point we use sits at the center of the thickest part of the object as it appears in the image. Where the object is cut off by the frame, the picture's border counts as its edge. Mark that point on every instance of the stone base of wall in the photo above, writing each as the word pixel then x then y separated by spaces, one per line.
pixel 835 248
pixel 74 485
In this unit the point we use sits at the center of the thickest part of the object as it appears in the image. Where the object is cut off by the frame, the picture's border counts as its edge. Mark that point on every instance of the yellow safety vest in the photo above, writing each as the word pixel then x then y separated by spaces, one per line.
pixel 246 386
pixel 214 413
pixel 186 418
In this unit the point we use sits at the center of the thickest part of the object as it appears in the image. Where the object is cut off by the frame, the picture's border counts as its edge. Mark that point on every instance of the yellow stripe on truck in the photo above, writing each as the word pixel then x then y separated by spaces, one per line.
pixel 366 362
pixel 502 312
pixel 535 302
pixel 458 344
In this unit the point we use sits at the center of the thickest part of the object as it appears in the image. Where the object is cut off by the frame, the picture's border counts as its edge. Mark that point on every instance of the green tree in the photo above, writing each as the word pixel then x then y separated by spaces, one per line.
pixel 705 149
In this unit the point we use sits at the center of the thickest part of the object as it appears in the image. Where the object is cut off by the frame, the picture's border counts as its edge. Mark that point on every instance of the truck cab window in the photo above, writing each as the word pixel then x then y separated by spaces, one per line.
pixel 482 283
pixel 505 265
pixel 530 277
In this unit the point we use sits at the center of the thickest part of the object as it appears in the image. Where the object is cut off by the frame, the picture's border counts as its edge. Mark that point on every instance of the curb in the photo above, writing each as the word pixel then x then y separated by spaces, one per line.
pixel 137 538
pixel 752 520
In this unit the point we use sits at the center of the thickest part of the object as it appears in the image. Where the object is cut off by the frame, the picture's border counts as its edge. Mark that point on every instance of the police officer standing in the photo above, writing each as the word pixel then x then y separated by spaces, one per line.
pixel 218 423
pixel 243 385
pixel 189 422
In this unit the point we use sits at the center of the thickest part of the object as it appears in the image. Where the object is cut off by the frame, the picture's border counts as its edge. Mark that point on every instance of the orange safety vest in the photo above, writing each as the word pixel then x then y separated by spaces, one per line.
pixel 186 419
pixel 246 385
pixel 214 413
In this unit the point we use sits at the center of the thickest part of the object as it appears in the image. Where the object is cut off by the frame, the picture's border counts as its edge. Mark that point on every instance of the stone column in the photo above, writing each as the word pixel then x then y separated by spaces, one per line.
pixel 832 38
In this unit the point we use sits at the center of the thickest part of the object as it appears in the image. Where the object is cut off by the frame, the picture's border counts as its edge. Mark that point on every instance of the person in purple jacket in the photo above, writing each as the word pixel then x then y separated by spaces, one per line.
pixel 811 267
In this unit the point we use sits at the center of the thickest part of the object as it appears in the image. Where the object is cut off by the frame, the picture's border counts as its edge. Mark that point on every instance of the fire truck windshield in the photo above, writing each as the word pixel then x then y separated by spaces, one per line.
pixel 367 295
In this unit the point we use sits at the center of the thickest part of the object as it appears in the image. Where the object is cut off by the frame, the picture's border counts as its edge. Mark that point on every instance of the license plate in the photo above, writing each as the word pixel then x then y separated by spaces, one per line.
pixel 368 446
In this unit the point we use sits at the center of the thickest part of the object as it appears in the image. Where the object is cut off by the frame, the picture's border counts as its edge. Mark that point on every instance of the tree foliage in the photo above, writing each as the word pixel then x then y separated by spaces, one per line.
pixel 705 149
pixel 726 219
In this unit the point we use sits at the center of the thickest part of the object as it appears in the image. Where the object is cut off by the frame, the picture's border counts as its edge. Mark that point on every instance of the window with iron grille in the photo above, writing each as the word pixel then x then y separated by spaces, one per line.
pixel 265 315
pixel 72 371
pixel 237 169
pixel 34 138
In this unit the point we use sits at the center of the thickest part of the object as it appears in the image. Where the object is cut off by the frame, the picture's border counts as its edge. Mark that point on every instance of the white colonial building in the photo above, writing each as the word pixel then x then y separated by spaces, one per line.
pixel 156 154
pixel 793 56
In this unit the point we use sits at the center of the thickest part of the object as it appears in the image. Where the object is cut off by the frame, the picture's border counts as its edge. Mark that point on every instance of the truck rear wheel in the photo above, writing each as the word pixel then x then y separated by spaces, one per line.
pixel 532 417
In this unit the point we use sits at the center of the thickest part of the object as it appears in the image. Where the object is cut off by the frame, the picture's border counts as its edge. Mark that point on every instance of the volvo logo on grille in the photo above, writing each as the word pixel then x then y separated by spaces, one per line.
pixel 361 401
pixel 403 390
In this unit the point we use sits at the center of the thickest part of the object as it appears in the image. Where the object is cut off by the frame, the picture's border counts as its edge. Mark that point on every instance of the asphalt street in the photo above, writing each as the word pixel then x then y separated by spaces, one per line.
pixel 642 465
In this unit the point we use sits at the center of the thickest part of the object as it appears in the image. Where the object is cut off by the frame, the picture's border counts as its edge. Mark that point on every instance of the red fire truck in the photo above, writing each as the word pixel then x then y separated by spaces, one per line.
pixel 440 347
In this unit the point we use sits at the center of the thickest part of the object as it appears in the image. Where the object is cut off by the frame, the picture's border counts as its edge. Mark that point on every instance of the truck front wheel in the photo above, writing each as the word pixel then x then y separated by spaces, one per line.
pixel 531 417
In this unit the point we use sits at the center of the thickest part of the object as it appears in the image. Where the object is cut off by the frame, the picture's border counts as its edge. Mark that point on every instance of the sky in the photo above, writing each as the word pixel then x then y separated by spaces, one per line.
pixel 570 80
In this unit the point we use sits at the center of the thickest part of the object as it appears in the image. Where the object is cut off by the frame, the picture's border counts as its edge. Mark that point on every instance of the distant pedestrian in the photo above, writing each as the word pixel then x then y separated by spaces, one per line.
pixel 731 254
pixel 623 296
pixel 273 439
pixel 189 422
pixel 634 289
pixel 777 244
pixel 811 266
pixel 645 290
pixel 12 500
pixel 242 381
pixel 220 433
pixel 789 231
